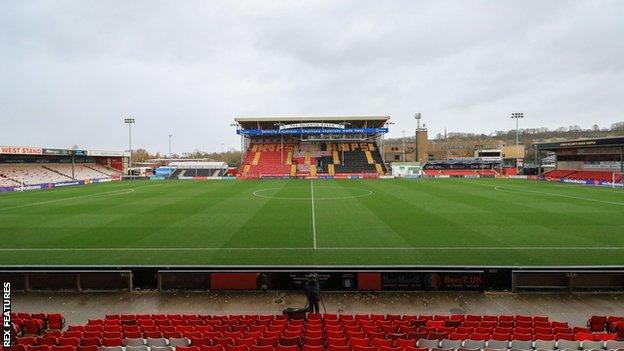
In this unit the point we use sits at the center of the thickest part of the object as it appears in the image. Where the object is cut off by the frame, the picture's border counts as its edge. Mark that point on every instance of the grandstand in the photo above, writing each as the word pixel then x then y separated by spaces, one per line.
pixel 36 168
pixel 588 161
pixel 312 147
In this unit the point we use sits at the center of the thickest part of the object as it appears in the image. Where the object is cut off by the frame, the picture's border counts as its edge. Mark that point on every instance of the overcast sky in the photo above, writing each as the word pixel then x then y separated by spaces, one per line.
pixel 71 70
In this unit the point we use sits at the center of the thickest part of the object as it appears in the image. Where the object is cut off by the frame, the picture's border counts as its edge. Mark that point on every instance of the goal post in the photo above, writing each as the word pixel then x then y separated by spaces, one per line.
pixel 617 180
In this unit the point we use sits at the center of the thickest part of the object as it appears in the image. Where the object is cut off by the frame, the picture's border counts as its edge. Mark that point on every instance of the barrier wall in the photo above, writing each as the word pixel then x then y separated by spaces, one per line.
pixel 331 279
pixel 56 185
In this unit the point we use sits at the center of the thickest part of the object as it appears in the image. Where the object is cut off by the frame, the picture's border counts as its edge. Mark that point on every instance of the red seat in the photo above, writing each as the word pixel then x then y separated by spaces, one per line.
pixel 336 341
pixel 56 321
pixel 353 342
pixel 312 348
pixel 403 343
pixel 90 335
pixel 212 348
pixel 112 335
pixel 27 340
pixel 290 341
pixel 523 337
pixel 236 348
pixel 389 348
pixel 47 340
pixel 64 348
pixel 481 337
pixel 546 337
pixel 268 341
pixel 132 334
pixel 33 326
pixel 559 337
pixel 261 348
pixel 287 348
pixel 313 341
pixel 377 342
pixel 88 348
pixel 68 341
pixel 90 342
pixel 109 342
pixel 39 348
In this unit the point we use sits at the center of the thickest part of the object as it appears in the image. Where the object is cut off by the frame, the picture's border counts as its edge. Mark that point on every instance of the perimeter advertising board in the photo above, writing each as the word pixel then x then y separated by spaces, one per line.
pixel 433 281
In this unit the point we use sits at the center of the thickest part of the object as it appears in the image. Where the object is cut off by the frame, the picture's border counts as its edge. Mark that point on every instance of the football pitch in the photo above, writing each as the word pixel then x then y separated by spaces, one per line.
pixel 428 222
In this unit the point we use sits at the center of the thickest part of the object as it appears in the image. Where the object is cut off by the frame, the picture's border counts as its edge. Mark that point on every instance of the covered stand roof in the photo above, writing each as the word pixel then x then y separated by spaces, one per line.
pixel 581 143
pixel 269 122
pixel 312 125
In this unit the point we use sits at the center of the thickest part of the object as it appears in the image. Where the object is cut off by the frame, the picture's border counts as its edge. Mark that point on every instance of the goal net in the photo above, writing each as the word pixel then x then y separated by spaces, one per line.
pixel 617 180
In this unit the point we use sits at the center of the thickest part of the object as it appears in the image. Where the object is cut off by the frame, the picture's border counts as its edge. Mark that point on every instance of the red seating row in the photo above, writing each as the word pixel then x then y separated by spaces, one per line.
pixel 606 176
pixel 35 324
pixel 242 333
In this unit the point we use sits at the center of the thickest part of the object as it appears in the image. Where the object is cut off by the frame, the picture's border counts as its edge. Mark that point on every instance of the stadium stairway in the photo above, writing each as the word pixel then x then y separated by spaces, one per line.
pixel 267 159
pixel 314 332
pixel 97 170
pixel 57 172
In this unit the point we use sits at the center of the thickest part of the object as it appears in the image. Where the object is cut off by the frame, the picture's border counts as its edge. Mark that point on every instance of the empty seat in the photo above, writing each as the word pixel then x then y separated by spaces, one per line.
pixel 179 342
pixel 111 348
pixel 614 345
pixel 592 345
pixel 134 342
pixel 498 344
pixel 156 342
pixel 430 344
pixel 450 344
pixel 161 348
pixel 522 344
pixel 568 344
pixel 544 344
pixel 474 344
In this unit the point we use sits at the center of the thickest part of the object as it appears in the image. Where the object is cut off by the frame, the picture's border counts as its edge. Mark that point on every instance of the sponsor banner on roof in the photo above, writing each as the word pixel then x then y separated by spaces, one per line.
pixel 104 153
pixel 299 131
pixel 55 152
pixel 311 125
pixel 21 150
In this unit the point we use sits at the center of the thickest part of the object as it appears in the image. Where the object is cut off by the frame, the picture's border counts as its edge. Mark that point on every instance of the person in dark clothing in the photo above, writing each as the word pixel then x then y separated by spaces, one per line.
pixel 313 293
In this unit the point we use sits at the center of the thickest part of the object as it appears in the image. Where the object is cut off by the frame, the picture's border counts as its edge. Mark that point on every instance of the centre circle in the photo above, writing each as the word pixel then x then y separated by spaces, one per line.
pixel 318 195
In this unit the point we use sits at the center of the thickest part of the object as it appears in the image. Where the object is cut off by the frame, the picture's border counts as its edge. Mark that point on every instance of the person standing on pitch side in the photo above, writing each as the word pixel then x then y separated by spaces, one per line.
pixel 313 293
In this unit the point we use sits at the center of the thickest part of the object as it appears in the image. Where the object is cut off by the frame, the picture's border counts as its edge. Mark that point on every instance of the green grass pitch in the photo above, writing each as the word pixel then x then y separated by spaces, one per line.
pixel 322 222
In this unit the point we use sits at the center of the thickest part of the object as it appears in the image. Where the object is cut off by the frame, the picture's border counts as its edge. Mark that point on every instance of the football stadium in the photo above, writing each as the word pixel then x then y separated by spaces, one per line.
pixel 334 217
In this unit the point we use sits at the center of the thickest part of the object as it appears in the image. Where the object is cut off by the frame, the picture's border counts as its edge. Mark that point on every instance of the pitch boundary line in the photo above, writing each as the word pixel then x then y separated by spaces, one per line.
pixel 108 193
pixel 499 188
pixel 313 214
pixel 540 248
